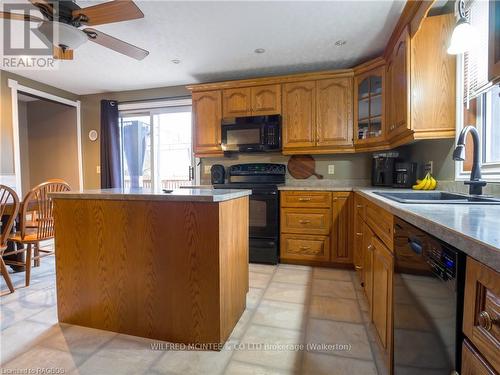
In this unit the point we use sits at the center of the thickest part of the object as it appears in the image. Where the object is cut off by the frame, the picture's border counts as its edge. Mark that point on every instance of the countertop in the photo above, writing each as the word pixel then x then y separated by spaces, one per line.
pixel 474 229
pixel 177 195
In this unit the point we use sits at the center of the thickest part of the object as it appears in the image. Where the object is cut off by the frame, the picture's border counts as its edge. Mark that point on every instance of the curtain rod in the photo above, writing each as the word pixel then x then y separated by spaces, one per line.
pixel 155 99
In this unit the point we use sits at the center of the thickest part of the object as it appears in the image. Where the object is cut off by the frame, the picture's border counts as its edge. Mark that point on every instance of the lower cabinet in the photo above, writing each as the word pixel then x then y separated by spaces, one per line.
pixel 368 264
pixel 481 324
pixel 383 272
pixel 316 227
pixel 473 363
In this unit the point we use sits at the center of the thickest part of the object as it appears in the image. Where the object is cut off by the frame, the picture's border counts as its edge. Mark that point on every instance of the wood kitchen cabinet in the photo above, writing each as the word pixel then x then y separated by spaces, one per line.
pixel 252 101
pixel 317 115
pixel 368 264
pixel 316 227
pixel 369 104
pixel 358 236
pixel 299 115
pixel 334 112
pixel 398 87
pixel 383 273
pixel 473 363
pixel 494 42
pixel 207 116
pixel 481 323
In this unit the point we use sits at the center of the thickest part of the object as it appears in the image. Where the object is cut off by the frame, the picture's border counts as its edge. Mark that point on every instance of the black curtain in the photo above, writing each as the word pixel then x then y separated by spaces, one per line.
pixel 110 145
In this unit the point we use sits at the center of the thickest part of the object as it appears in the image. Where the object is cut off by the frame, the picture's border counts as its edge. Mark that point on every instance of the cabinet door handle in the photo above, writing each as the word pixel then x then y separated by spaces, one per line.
pixel 486 321
pixel 304 221
pixel 304 199
pixel 358 268
pixel 370 247
pixel 359 234
pixel 359 206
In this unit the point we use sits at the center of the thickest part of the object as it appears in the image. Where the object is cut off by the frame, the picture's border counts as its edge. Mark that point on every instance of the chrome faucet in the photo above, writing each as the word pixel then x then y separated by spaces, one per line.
pixel 475 183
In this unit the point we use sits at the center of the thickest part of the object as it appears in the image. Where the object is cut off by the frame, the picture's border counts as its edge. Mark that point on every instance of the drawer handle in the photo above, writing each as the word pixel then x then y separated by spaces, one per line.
pixel 485 320
pixel 358 268
pixel 304 221
pixel 304 199
pixel 305 248
pixel 359 234
pixel 359 206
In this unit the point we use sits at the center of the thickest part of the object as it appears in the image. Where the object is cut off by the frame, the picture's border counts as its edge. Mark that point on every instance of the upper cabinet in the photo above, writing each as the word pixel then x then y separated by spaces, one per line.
pixel 398 80
pixel 317 115
pixel 266 100
pixel 494 42
pixel 433 72
pixel 207 116
pixel 252 101
pixel 237 102
pixel 334 112
pixel 299 115
pixel 369 100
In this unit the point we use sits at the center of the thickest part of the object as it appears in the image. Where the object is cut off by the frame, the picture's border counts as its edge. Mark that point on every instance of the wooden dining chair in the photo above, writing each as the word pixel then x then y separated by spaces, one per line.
pixel 38 200
pixel 9 206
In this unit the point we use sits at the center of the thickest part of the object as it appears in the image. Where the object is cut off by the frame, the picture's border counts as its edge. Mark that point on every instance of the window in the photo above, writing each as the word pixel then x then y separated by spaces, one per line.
pixel 156 144
pixel 480 99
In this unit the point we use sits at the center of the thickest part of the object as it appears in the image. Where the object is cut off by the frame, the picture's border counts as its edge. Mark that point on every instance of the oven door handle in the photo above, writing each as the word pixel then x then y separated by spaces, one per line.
pixel 415 245
pixel 263 194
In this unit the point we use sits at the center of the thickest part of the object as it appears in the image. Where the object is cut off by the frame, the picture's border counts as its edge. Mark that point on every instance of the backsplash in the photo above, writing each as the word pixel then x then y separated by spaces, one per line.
pixel 352 168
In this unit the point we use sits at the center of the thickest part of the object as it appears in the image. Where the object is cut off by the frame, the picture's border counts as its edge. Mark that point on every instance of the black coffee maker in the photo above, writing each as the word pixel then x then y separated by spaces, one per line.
pixel 383 169
pixel 405 174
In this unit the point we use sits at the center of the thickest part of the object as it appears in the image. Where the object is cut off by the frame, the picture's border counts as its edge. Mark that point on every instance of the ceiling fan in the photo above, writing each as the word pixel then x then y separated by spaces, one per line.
pixel 68 18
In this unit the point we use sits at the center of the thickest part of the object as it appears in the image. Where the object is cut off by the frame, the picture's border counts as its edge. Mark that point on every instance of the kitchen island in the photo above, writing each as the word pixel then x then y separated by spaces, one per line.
pixel 168 266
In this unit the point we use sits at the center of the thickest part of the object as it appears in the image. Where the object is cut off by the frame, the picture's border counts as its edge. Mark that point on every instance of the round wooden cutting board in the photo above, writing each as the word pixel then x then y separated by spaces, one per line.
pixel 302 167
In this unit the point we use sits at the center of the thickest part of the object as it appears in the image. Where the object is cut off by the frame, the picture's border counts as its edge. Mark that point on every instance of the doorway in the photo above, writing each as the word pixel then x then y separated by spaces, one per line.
pixel 156 147
pixel 48 141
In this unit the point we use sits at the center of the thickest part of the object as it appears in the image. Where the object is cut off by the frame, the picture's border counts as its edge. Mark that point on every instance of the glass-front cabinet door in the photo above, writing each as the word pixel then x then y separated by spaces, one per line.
pixel 369 107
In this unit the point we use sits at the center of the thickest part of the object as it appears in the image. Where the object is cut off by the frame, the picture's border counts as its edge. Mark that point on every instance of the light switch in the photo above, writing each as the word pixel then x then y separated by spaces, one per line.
pixel 331 169
pixel 206 169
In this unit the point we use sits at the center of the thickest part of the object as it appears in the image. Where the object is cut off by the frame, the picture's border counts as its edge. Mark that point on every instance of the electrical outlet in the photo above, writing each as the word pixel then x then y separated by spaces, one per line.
pixel 331 169
pixel 206 169
pixel 98 169
pixel 429 167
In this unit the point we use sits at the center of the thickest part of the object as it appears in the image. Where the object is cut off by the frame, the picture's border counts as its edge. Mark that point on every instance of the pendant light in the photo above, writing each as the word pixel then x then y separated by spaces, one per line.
pixel 463 34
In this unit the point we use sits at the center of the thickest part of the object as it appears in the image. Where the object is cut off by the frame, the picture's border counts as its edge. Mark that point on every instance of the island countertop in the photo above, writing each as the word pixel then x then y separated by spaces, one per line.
pixel 147 194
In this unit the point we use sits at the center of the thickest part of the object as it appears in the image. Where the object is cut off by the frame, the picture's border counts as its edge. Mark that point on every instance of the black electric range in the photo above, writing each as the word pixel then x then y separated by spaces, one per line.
pixel 263 179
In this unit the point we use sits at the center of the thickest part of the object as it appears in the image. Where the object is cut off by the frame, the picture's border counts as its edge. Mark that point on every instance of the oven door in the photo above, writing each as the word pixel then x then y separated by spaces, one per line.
pixel 242 137
pixel 264 214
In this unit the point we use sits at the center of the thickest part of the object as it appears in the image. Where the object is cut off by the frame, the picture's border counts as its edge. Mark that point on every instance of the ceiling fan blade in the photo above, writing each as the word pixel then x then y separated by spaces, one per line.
pixel 112 11
pixel 62 54
pixel 115 44
pixel 19 17
pixel 45 7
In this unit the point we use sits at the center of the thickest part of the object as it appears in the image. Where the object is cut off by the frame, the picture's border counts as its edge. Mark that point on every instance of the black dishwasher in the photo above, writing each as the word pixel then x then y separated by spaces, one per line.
pixel 429 280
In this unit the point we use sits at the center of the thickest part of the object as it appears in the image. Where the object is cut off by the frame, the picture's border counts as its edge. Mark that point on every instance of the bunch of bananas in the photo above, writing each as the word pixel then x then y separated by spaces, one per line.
pixel 427 183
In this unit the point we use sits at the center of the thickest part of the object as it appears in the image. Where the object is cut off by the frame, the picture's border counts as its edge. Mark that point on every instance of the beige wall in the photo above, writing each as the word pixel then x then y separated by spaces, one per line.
pixel 91 108
pixel 52 143
pixel 440 151
pixel 22 108
pixel 6 139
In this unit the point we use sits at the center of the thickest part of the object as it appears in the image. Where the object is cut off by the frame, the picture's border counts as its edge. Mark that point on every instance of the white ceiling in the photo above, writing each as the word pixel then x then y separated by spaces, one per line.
pixel 216 41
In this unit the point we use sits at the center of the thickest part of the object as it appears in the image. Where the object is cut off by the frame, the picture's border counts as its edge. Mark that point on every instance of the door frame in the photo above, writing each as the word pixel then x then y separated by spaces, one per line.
pixel 15 88
pixel 153 107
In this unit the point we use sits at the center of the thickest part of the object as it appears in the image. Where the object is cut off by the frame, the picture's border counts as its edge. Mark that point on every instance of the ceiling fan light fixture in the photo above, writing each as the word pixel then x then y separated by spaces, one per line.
pixel 259 50
pixel 176 61
pixel 340 43
pixel 63 35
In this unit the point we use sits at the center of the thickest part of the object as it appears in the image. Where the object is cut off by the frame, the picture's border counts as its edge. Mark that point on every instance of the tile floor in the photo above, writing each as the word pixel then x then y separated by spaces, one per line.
pixel 287 306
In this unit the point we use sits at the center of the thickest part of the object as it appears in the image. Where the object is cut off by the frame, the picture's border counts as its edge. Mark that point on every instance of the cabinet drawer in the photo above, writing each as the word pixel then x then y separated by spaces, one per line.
pixel 482 310
pixel 312 199
pixel 381 222
pixel 473 363
pixel 305 247
pixel 307 221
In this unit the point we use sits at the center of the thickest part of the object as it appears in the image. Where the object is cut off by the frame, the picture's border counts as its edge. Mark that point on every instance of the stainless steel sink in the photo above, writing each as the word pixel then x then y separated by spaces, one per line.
pixel 436 197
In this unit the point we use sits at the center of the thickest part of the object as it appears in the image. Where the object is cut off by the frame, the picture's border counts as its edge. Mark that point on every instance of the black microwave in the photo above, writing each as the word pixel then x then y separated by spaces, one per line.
pixel 252 134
